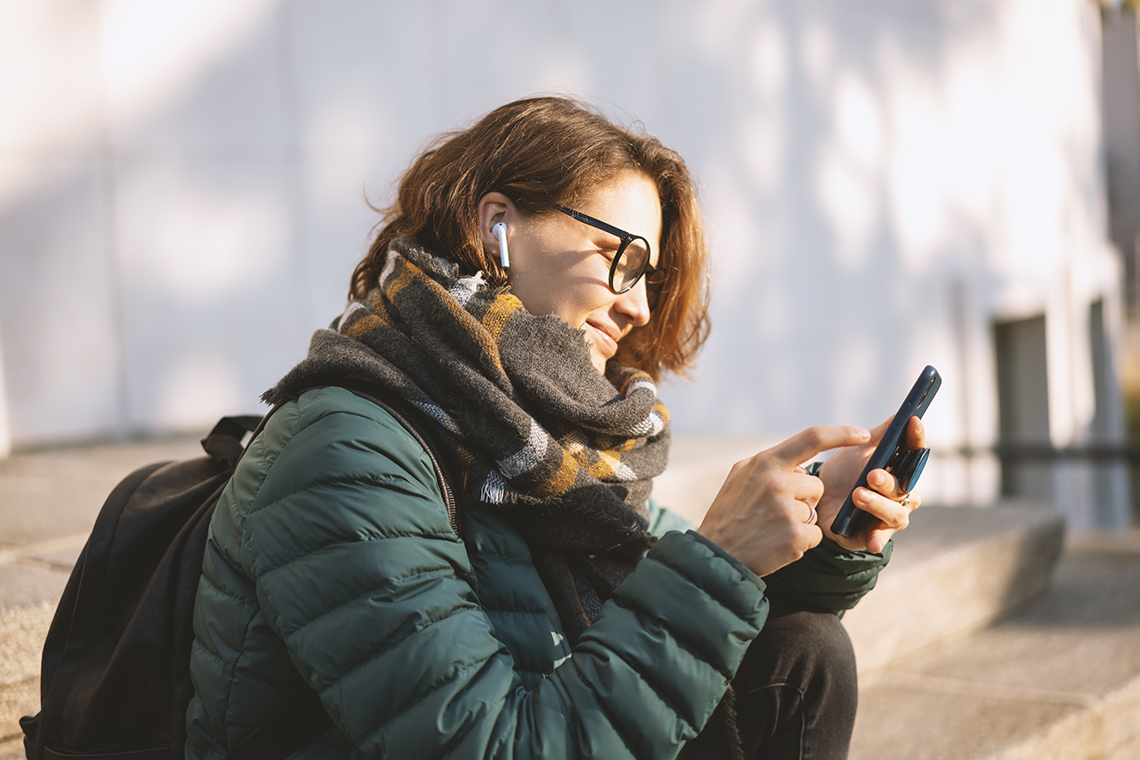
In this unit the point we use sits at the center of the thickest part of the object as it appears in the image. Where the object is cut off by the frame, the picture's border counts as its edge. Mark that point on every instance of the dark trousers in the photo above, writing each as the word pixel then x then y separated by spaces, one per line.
pixel 794 696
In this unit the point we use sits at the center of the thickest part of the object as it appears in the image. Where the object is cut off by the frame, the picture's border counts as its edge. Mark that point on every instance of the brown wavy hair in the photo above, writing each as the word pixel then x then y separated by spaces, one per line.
pixel 542 152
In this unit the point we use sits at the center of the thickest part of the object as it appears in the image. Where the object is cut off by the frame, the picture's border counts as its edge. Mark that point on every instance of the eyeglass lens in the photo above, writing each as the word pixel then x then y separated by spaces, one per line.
pixel 630 265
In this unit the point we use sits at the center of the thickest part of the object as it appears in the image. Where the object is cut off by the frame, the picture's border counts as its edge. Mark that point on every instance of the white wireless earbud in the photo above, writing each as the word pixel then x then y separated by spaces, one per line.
pixel 499 230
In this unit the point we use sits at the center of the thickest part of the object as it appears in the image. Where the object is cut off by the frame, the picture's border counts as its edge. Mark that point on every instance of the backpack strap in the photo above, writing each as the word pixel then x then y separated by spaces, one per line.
pixel 225 440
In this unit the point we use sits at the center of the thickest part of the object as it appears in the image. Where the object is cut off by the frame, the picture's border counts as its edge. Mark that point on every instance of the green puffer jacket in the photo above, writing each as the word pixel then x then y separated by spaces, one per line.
pixel 331 565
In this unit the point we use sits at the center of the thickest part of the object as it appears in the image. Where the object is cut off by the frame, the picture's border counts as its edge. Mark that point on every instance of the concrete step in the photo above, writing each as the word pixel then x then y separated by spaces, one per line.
pixel 955 571
pixel 32 579
pixel 12 749
pixel 51 493
pixel 1058 682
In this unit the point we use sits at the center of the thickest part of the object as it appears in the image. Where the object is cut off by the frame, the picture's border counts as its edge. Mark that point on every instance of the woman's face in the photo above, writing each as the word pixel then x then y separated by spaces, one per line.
pixel 559 265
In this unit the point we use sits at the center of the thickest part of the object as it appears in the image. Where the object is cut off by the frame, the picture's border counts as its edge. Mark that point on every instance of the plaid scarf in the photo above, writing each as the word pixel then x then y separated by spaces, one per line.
pixel 566 454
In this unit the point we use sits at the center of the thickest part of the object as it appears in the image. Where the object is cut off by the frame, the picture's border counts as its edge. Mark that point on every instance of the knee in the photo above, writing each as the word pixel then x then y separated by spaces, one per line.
pixel 814 649
pixel 820 634
pixel 800 674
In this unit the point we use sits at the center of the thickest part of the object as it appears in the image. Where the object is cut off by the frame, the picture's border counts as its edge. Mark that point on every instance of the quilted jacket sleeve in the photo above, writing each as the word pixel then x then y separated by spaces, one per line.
pixel 828 578
pixel 357 570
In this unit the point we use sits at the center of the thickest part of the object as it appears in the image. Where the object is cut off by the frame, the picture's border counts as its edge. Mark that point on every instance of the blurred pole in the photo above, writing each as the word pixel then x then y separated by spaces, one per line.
pixel 5 434
pixel 1120 103
pixel 960 316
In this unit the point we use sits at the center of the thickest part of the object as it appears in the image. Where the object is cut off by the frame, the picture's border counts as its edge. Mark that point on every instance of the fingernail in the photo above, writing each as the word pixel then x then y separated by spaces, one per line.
pixel 876 478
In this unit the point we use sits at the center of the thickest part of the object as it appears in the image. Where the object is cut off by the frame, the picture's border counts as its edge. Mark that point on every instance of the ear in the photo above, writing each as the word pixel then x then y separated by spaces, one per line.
pixel 492 208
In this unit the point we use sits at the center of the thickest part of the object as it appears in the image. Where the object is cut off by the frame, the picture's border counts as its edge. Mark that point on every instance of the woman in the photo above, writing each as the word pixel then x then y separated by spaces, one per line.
pixel 564 614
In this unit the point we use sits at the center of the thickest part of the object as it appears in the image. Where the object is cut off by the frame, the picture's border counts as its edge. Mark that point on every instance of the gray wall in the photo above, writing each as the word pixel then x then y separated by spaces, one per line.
pixel 183 193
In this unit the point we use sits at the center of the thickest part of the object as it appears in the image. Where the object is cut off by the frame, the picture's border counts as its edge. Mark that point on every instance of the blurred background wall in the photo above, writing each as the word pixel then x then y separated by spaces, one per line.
pixel 184 192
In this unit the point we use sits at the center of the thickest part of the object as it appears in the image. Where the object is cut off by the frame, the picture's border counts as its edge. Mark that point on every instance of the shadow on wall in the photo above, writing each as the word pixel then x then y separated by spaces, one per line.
pixel 169 262
pixel 156 269
pixel 878 151
pixel 179 228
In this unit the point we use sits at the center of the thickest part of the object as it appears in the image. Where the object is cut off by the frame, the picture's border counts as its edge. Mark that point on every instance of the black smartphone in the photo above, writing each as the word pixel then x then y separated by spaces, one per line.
pixel 891 453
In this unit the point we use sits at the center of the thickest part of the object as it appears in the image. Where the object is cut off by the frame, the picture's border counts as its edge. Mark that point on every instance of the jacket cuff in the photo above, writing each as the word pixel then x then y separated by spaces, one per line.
pixel 828 577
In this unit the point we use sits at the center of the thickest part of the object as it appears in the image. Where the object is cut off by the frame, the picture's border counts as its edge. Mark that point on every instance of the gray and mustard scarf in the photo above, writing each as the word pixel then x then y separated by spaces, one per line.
pixel 568 455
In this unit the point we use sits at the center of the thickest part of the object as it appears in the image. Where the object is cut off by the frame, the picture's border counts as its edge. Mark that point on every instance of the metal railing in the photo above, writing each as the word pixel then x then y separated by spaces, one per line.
pixel 1044 452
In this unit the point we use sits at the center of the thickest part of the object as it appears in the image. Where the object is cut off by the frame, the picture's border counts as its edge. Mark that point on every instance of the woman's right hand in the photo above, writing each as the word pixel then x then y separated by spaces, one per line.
pixel 759 515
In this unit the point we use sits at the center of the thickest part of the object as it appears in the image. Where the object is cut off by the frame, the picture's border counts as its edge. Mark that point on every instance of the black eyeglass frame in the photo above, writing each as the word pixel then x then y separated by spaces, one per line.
pixel 626 238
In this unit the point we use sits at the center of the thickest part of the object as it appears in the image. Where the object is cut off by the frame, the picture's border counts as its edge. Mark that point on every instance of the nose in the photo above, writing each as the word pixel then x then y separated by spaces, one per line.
pixel 634 304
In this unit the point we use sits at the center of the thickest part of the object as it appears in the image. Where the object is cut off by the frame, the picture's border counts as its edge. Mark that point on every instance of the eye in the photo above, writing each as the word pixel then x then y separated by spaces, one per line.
pixel 607 251
pixel 607 247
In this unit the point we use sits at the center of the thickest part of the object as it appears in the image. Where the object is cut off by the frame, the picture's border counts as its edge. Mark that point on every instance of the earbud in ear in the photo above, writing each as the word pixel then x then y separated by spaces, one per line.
pixel 499 230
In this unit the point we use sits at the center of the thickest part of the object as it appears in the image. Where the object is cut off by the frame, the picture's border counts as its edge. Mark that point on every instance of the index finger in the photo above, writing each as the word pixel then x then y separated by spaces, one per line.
pixel 808 443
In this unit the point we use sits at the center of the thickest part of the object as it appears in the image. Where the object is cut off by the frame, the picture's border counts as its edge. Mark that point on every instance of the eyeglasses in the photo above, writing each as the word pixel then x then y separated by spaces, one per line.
pixel 631 261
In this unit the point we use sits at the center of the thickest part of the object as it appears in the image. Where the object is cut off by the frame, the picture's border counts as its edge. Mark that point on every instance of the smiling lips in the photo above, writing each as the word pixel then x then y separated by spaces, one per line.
pixel 608 336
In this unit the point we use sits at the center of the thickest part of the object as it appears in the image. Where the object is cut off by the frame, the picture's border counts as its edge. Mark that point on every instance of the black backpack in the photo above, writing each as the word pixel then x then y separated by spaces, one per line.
pixel 115 674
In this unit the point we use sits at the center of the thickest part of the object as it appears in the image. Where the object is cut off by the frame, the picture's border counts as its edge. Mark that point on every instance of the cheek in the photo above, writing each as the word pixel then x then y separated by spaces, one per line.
pixel 552 276
pixel 531 286
pixel 538 298
pixel 584 301
pixel 567 293
pixel 572 311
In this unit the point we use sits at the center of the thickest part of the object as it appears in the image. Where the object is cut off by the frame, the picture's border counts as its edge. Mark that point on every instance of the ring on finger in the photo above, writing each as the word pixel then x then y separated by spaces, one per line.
pixel 906 501
pixel 812 516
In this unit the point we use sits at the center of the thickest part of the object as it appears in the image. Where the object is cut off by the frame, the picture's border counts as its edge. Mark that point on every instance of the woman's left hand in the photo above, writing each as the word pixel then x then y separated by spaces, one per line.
pixel 883 500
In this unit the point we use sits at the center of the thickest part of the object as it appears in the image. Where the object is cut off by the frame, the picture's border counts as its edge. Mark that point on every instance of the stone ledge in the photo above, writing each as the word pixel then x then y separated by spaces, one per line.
pixel 954 571
pixel 1059 682
pixel 22 634
pixel 16 701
